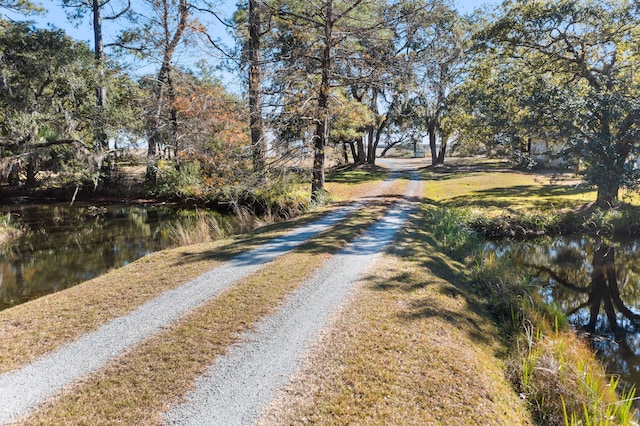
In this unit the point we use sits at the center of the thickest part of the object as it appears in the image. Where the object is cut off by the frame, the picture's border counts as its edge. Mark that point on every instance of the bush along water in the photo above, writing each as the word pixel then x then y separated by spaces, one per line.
pixel 622 221
pixel 227 206
pixel 271 191
pixel 253 198
pixel 550 365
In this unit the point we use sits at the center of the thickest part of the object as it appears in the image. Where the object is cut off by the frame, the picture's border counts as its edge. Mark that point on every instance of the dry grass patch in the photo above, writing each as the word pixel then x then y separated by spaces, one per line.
pixel 410 348
pixel 139 386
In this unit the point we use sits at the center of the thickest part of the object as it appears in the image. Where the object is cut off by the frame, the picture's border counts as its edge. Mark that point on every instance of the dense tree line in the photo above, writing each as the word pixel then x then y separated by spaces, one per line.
pixel 326 80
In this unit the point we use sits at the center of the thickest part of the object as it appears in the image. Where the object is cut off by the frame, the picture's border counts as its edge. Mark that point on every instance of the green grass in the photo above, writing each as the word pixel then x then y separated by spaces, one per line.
pixel 502 203
pixel 505 190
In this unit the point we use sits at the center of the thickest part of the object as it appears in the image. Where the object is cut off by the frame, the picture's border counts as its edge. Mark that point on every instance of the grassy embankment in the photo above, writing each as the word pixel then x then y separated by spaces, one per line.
pixel 548 362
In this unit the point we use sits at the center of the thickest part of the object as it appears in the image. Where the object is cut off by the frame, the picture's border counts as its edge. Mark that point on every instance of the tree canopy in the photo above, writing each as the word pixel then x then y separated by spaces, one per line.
pixel 584 54
pixel 42 103
pixel 328 82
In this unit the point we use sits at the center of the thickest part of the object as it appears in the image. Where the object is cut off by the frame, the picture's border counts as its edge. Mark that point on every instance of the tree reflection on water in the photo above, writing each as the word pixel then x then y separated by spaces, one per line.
pixel 67 245
pixel 596 283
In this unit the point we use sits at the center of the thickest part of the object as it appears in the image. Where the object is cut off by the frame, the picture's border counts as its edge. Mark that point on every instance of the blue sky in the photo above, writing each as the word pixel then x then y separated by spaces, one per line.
pixel 57 17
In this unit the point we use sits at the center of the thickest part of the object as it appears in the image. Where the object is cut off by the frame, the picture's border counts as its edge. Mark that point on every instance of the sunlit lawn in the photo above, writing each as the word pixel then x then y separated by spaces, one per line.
pixel 506 190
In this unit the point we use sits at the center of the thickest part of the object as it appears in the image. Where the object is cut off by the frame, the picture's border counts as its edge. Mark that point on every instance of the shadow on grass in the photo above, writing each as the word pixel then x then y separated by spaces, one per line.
pixel 351 175
pixel 521 195
pixel 449 295
pixel 430 304
pixel 467 167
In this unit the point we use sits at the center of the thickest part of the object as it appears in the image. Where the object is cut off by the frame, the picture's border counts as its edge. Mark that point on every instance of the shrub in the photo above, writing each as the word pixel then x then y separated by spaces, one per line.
pixel 184 182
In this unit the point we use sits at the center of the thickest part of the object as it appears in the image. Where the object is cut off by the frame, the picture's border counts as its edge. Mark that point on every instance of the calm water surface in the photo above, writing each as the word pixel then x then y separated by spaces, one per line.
pixel 67 245
pixel 596 282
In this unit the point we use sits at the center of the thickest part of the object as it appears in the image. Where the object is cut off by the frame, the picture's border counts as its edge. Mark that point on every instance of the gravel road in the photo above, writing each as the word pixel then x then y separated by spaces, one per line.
pixel 22 390
pixel 240 384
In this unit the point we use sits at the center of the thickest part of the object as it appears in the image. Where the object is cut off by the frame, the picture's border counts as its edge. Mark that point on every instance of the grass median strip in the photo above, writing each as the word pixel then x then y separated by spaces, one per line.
pixel 139 385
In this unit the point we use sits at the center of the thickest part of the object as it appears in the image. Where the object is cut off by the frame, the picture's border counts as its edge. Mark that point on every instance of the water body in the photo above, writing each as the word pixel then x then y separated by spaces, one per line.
pixel 596 283
pixel 66 245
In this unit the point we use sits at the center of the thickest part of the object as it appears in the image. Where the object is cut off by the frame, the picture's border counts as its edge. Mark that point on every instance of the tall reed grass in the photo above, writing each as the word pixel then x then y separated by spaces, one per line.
pixel 549 363
pixel 205 226
pixel 10 229
pixel 200 227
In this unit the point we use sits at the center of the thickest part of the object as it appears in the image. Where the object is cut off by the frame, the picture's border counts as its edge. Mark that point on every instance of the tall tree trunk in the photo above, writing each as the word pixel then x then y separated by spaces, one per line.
pixel 443 148
pixel 371 150
pixel 173 117
pixel 377 134
pixel 322 128
pixel 360 151
pixel 431 130
pixel 154 118
pixel 607 194
pixel 102 143
pixel 354 154
pixel 154 138
pixel 258 142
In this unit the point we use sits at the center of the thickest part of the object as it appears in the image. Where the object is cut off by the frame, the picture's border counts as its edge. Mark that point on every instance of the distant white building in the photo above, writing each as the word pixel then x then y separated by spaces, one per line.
pixel 547 153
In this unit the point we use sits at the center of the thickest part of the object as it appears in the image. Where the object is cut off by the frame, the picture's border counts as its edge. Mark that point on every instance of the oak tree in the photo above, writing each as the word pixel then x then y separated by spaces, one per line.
pixel 586 50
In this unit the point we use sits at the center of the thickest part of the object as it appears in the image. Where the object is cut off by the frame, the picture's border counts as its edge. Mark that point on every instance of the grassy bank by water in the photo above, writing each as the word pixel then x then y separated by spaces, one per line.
pixel 503 203
pixel 438 333
pixel 547 362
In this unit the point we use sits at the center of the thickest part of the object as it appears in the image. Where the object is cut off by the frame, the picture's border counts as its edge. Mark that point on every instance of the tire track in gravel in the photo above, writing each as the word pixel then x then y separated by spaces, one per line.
pixel 24 389
pixel 240 384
